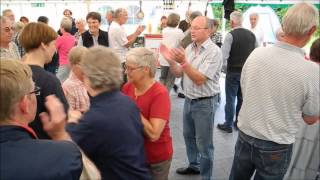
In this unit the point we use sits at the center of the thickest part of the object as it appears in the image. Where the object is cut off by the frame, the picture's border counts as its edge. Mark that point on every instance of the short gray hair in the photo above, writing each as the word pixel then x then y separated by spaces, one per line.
pixel 236 17
pixel 118 12
pixel 195 14
pixel 299 19
pixel 66 24
pixel 143 57
pixel 103 68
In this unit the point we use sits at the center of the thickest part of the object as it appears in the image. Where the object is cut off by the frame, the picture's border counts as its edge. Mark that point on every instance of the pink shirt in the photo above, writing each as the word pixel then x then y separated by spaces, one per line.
pixel 64 43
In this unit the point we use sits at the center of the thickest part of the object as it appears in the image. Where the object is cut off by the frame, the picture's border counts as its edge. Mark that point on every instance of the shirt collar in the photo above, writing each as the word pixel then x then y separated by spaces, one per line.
pixel 290 47
pixel 204 45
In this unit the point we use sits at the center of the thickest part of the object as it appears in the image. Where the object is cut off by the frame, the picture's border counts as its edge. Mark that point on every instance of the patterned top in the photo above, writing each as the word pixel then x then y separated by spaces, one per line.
pixel 217 38
pixel 11 53
pixel 76 93
pixel 208 62
pixel 278 86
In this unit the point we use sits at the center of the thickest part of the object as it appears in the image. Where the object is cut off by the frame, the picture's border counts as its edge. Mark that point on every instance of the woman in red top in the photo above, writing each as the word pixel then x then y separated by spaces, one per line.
pixel 153 100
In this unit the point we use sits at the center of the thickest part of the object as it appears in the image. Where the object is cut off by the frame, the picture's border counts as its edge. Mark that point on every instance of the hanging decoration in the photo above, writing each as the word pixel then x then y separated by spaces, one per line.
pixel 140 14
pixel 168 4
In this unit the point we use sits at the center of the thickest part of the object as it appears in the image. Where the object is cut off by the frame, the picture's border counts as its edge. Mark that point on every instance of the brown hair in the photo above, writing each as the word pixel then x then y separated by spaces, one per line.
pixel 16 81
pixel 173 20
pixel 94 15
pixel 315 51
pixel 34 34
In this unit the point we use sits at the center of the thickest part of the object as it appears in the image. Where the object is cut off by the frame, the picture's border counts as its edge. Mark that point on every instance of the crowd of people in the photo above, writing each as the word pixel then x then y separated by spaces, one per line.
pixel 75 98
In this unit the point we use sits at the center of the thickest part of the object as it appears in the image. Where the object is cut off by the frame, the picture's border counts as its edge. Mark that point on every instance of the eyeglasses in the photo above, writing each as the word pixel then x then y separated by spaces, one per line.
pixel 36 91
pixel 8 29
pixel 197 28
pixel 129 69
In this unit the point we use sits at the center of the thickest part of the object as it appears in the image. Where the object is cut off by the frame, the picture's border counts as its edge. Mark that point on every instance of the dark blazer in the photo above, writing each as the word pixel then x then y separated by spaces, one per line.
pixel 22 157
pixel 88 40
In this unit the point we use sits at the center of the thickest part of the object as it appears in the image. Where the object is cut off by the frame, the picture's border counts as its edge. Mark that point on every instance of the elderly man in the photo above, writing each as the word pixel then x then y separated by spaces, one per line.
pixel 94 36
pixel 119 41
pixel 258 31
pixel 109 16
pixel 280 91
pixel 9 14
pixel 19 143
pixel 8 49
pixel 237 46
pixel 200 65
pixel 110 133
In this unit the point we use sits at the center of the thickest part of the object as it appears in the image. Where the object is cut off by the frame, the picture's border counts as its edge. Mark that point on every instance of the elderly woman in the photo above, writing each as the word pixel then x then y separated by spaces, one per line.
pixel 153 100
pixel 64 43
pixel 110 133
pixel 171 38
pixel 81 26
pixel 73 87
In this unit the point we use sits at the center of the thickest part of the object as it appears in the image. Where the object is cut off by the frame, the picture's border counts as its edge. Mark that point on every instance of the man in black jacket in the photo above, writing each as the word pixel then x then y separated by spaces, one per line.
pixel 94 36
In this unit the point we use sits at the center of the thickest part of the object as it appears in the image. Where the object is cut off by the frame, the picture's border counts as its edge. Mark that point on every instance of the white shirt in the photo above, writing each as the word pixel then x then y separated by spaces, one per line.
pixel 171 37
pixel 118 39
pixel 258 32
pixel 278 86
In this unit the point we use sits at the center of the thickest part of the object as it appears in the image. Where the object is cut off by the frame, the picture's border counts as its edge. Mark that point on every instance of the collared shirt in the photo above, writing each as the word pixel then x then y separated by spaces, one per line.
pixel 207 61
pixel 258 32
pixel 278 87
pixel 118 39
pixel 11 53
pixel 76 93
pixel 95 40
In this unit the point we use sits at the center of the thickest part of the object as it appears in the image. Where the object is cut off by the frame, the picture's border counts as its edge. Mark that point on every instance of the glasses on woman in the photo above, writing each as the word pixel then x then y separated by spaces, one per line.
pixel 130 69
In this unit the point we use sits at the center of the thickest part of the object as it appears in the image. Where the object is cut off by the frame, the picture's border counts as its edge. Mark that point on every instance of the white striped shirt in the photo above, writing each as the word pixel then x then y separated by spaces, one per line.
pixel 208 62
pixel 278 86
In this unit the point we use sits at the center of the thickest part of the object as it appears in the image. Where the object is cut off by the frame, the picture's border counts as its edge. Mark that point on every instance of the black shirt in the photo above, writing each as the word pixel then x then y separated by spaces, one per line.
pixel 49 84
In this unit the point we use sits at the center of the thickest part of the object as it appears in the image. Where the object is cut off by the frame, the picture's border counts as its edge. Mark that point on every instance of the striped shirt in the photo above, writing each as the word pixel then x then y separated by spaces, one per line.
pixel 278 86
pixel 208 62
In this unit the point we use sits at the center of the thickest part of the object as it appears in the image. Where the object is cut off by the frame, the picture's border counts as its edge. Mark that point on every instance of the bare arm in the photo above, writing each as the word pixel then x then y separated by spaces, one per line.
pixel 153 128
pixel 131 38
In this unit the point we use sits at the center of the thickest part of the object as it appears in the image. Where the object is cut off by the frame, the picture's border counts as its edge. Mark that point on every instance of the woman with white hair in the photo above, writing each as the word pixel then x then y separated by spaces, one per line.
pixel 153 100
pixel 110 132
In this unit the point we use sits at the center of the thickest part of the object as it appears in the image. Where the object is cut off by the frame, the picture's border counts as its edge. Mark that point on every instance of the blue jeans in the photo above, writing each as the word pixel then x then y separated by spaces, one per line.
pixel 269 159
pixel 198 119
pixel 233 90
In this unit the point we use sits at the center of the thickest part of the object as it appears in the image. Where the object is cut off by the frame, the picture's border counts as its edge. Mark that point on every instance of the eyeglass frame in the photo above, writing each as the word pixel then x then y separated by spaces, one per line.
pixel 131 69
pixel 197 28
pixel 36 91
pixel 8 29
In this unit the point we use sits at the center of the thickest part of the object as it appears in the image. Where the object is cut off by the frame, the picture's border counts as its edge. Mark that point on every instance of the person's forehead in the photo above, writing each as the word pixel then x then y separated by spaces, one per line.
pixel 199 21
pixel 93 20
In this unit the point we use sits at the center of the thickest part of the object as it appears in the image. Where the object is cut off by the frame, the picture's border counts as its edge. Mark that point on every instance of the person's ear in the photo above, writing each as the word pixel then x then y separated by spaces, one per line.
pixel 312 30
pixel 23 104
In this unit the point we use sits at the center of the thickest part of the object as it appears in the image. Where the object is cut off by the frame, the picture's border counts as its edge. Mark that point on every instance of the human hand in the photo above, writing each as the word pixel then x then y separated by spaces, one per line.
pixel 54 121
pixel 74 116
pixel 140 29
pixel 179 55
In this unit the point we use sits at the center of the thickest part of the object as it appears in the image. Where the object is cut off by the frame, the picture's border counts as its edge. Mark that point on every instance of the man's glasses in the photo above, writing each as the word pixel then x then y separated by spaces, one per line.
pixel 36 91
pixel 197 28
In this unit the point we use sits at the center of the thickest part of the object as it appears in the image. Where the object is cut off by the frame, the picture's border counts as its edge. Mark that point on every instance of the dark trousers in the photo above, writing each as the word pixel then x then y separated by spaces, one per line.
pixel 267 159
